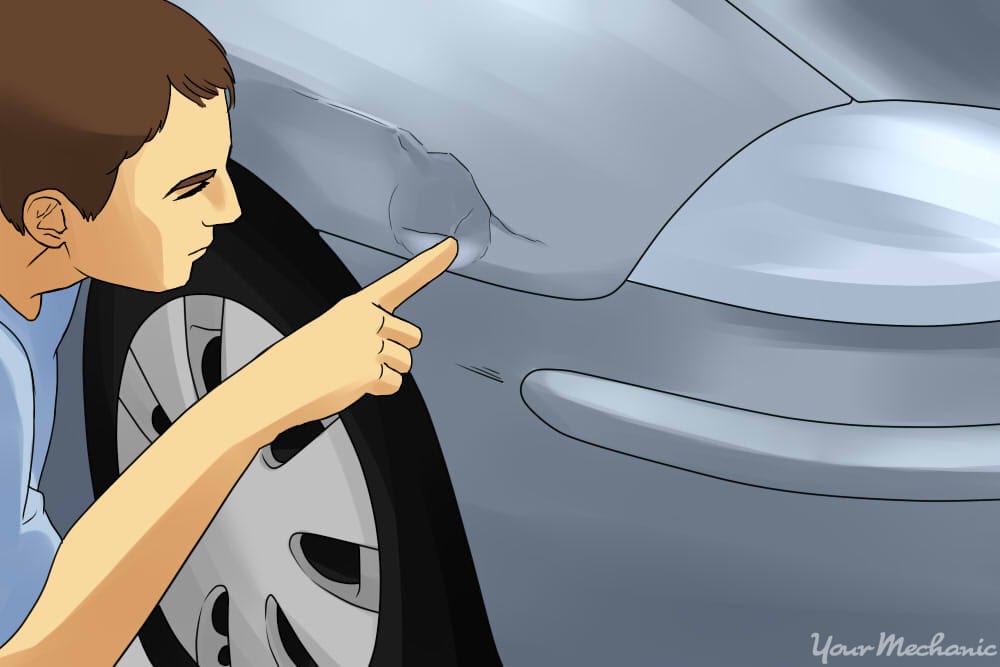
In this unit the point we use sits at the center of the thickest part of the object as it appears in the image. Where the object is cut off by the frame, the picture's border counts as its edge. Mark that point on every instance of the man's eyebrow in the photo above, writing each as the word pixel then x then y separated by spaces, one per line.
pixel 191 180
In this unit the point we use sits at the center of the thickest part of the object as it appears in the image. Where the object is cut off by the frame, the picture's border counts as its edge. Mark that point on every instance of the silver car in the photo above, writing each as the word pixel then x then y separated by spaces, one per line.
pixel 713 380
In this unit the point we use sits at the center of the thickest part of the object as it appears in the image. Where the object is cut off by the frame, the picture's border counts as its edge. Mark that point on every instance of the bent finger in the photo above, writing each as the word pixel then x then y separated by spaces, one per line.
pixel 388 383
pixel 396 357
pixel 401 331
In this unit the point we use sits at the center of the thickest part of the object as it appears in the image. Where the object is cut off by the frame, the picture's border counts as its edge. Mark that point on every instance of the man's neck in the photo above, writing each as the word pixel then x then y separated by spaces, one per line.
pixel 28 269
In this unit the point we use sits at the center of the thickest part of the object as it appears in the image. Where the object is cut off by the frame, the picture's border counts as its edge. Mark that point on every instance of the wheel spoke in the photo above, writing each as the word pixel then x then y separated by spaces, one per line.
pixel 203 311
pixel 131 440
pixel 284 642
pixel 322 490
pixel 244 336
pixel 137 397
pixel 160 348
pixel 247 639
pixel 182 601
pixel 213 629
pixel 332 631
pixel 203 321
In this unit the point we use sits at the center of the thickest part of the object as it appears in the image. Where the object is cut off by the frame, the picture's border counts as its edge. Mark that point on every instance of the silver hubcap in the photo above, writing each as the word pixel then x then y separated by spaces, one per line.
pixel 287 572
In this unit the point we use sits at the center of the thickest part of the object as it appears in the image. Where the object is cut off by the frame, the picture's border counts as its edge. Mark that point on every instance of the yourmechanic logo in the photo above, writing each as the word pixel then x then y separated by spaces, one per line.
pixel 891 645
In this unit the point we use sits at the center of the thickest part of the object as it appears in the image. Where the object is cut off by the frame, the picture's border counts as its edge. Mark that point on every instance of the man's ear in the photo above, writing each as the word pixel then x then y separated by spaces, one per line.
pixel 45 215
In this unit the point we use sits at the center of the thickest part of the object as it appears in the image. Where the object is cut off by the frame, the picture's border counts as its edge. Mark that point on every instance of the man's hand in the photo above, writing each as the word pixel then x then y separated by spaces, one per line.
pixel 356 347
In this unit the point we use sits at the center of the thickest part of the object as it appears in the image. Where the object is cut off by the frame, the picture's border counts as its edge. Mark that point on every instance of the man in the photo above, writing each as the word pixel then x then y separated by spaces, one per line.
pixel 114 137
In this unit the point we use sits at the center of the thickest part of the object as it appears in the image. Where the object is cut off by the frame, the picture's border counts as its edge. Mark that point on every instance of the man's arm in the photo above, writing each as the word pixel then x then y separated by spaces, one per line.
pixel 119 557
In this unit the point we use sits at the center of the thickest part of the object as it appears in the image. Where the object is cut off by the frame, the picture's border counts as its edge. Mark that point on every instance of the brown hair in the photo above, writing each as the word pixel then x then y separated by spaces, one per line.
pixel 85 83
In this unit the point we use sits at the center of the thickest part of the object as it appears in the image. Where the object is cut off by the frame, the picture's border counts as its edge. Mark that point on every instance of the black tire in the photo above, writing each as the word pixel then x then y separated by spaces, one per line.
pixel 275 263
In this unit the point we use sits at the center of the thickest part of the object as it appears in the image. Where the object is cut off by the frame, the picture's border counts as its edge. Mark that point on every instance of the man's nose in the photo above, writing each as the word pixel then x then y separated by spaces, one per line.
pixel 229 211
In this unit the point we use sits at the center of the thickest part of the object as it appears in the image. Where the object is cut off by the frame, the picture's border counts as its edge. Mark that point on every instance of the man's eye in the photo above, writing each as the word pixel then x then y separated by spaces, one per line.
pixel 193 191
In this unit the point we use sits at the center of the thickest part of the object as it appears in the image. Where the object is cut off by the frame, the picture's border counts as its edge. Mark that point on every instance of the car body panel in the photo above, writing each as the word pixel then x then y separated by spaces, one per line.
pixel 527 98
pixel 590 555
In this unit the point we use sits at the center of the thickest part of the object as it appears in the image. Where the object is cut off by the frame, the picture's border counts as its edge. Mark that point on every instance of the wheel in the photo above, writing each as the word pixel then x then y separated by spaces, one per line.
pixel 342 543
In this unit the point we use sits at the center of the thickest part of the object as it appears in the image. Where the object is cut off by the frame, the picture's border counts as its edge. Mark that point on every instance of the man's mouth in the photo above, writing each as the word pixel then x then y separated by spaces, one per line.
pixel 199 252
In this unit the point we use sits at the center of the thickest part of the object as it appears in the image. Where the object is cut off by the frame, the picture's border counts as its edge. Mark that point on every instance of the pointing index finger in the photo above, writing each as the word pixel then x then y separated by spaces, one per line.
pixel 395 287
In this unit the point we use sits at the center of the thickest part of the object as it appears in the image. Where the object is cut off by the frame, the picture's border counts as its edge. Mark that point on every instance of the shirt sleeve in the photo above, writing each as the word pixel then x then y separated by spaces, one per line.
pixel 16 433
pixel 16 430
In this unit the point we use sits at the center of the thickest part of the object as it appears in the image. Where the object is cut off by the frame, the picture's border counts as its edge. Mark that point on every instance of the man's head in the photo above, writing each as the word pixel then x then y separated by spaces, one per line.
pixel 114 135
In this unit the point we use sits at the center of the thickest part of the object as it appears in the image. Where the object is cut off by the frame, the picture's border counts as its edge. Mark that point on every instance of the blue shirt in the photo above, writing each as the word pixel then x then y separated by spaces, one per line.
pixel 28 542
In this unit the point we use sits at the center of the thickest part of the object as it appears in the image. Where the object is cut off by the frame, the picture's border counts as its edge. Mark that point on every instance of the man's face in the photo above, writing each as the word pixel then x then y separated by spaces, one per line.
pixel 165 201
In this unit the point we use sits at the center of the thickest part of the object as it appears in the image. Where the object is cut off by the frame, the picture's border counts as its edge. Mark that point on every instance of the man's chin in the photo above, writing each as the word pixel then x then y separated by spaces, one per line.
pixel 177 283
pixel 180 279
